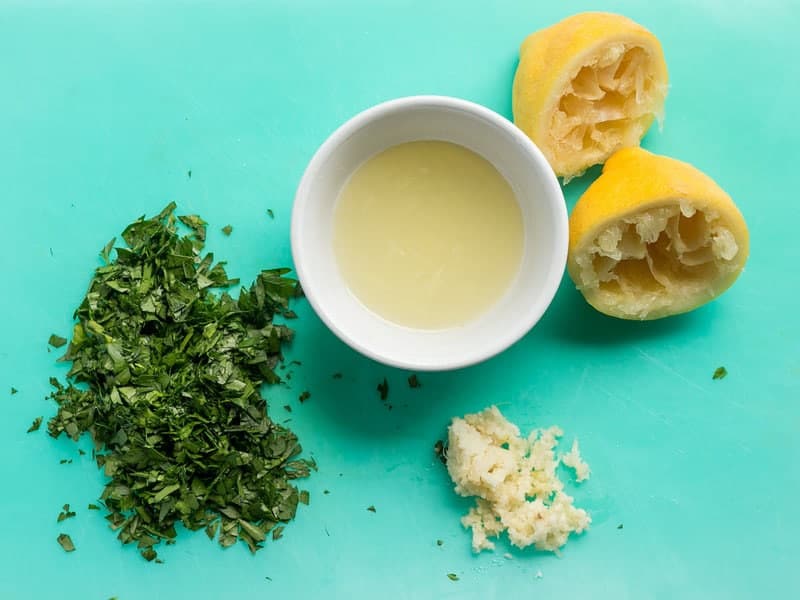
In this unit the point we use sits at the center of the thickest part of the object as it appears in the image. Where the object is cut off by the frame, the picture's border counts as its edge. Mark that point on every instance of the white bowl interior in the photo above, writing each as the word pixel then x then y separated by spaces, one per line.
pixel 517 159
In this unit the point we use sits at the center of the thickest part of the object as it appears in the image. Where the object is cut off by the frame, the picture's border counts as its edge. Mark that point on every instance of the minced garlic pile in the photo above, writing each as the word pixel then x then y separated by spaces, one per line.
pixel 515 482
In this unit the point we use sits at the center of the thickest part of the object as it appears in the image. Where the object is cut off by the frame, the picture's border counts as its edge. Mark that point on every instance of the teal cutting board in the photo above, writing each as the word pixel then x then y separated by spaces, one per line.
pixel 109 110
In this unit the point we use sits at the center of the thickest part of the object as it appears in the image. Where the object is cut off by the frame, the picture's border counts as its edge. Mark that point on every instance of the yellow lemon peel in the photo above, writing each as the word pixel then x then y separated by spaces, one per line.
pixel 588 86
pixel 654 237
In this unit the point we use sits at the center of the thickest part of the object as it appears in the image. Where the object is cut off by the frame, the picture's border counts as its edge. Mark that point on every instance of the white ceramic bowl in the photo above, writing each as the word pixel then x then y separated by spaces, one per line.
pixel 482 131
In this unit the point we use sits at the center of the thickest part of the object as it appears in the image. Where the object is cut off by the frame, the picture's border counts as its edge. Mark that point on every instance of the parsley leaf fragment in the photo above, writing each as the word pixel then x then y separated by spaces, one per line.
pixel 56 341
pixel 66 542
pixel 66 513
pixel 383 389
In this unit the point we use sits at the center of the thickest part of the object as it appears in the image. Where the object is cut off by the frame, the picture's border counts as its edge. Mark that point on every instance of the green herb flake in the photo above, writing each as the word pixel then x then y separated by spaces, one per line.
pixel 66 542
pixel 277 533
pixel 196 224
pixel 383 389
pixel 304 497
pixel 304 396
pixel 619 526
pixel 189 173
pixel 440 542
pixel 149 554
pixel 105 253
pixel 287 408
pixel 37 422
pixel 56 341
pixel 65 461
pixel 166 372
pixel 371 508
pixel 326 492
pixel 337 375
pixel 227 230
pixel 14 391
pixel 440 450
pixel 93 507
pixel 452 577
pixel 270 213
pixel 720 373
pixel 413 381
pixel 66 513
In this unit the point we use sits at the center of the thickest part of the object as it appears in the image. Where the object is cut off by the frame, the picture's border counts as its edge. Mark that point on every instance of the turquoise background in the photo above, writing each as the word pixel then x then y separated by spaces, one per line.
pixel 106 106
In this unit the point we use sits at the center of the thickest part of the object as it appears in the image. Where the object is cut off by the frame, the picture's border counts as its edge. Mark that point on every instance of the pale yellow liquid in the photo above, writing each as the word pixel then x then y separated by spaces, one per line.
pixel 428 234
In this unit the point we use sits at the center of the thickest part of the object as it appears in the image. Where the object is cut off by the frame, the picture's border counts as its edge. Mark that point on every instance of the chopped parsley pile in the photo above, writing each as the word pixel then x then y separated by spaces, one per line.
pixel 165 378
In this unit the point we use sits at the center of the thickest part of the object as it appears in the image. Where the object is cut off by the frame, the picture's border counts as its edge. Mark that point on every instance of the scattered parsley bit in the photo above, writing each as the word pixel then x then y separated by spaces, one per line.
pixel 371 508
pixel 14 391
pixel 227 230
pixel 413 381
pixel 56 341
pixel 290 314
pixel 305 396
pixel 440 542
pixel 171 373
pixel 81 452
pixel 452 577
pixel 93 507
pixel 196 224
pixel 287 408
pixel 383 389
pixel 619 526
pixel 270 213
pixel 37 422
pixel 720 373
pixel 326 492
pixel 304 497
pixel 189 173
pixel 149 554
pixel 65 461
pixel 66 542
pixel 277 533
pixel 337 375
pixel 440 450
pixel 65 514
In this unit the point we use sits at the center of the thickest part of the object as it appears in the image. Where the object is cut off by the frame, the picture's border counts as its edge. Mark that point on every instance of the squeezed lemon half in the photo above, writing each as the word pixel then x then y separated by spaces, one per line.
pixel 588 86
pixel 654 237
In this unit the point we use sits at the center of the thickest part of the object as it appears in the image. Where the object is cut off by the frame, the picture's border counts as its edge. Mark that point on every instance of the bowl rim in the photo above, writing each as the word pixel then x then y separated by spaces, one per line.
pixel 561 234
